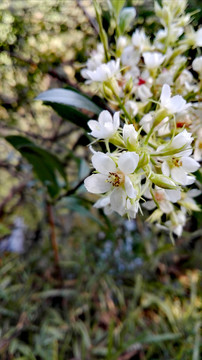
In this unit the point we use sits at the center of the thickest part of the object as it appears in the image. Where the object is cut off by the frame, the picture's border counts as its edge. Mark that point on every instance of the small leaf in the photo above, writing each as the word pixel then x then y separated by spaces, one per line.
pixel 126 18
pixel 70 98
pixel 45 164
pixel 117 5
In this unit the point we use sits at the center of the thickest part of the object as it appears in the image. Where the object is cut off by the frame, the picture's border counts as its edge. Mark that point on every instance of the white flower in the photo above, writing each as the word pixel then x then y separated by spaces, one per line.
pixel 153 59
pixel 198 37
pixel 187 200
pixel 140 40
pixel 176 223
pixel 173 104
pixel 129 134
pixel 132 208
pixel 163 127
pixel 96 59
pixel 106 126
pixel 121 42
pixel 178 168
pixel 103 72
pixel 163 197
pixel 130 57
pixel 131 107
pixel 197 65
pixel 146 122
pixel 113 179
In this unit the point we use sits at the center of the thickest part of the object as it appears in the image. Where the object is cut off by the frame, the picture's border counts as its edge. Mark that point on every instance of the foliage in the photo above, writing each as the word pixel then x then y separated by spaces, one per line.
pixel 118 300
pixel 85 286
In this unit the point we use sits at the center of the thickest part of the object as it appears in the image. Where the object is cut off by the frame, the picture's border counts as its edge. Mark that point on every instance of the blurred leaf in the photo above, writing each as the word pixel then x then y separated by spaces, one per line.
pixel 75 204
pixel 126 18
pixel 4 230
pixel 117 5
pixel 69 98
pixel 67 293
pixel 45 164
pixel 70 113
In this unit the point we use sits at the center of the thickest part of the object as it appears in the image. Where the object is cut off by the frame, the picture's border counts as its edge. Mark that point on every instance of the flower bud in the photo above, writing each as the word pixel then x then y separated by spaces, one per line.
pixel 155 216
pixel 126 18
pixel 129 86
pixel 160 115
pixel 162 181
pixel 107 91
pixel 144 160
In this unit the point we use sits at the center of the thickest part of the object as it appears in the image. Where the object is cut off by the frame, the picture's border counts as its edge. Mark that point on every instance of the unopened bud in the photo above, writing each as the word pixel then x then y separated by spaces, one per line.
pixel 161 114
pixel 129 86
pixel 107 91
pixel 155 216
pixel 144 160
pixel 189 205
pixel 162 181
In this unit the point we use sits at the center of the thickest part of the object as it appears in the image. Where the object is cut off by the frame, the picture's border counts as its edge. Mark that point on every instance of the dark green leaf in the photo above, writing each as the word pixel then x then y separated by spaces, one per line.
pixel 69 98
pixel 71 114
pixel 45 164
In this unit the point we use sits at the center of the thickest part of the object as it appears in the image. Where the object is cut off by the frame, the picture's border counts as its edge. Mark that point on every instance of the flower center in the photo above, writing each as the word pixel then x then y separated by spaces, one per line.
pixel 116 178
pixel 159 196
pixel 177 162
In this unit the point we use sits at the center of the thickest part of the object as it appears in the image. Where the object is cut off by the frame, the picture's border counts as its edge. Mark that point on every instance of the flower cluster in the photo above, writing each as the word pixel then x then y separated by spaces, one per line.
pixel 150 136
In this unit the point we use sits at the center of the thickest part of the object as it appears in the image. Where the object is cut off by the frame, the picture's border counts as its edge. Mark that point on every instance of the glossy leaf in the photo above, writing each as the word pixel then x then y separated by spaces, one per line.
pixel 45 164
pixel 69 98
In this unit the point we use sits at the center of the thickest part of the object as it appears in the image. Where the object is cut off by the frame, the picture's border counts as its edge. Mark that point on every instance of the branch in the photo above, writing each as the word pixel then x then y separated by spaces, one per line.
pixel 91 21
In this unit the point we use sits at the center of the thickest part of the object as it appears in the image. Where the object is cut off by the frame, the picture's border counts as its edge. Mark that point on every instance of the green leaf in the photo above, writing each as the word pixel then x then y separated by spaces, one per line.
pixel 69 98
pixel 117 5
pixel 71 114
pixel 45 164
pixel 126 18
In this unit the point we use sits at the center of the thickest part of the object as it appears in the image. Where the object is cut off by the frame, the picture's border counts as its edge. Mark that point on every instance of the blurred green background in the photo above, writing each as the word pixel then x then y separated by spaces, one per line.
pixel 120 290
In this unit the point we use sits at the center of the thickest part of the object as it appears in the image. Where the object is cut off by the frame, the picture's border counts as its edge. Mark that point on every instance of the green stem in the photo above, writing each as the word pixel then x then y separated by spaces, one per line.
pixel 103 35
pixel 148 135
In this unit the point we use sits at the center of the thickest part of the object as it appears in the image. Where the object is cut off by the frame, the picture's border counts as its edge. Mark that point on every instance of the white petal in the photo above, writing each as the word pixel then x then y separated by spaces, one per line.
pixel 165 94
pixel 166 206
pixel 128 162
pixel 182 139
pixel 129 134
pixel 193 193
pixel 97 184
pixel 178 174
pixel 102 202
pixel 149 205
pixel 173 195
pixel 103 163
pixel 118 200
pixel 104 118
pixel 190 164
pixel 132 209
pixel 93 125
pixel 130 191
pixel 190 180
pixel 177 104
pixel 178 230
pixel 116 119
pixel 165 168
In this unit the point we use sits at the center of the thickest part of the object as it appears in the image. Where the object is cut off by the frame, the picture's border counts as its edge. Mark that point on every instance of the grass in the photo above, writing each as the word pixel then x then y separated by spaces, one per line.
pixel 117 299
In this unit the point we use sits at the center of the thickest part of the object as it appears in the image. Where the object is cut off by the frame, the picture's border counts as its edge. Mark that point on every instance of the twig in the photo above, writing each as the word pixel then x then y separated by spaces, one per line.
pixel 54 241
pixel 92 21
